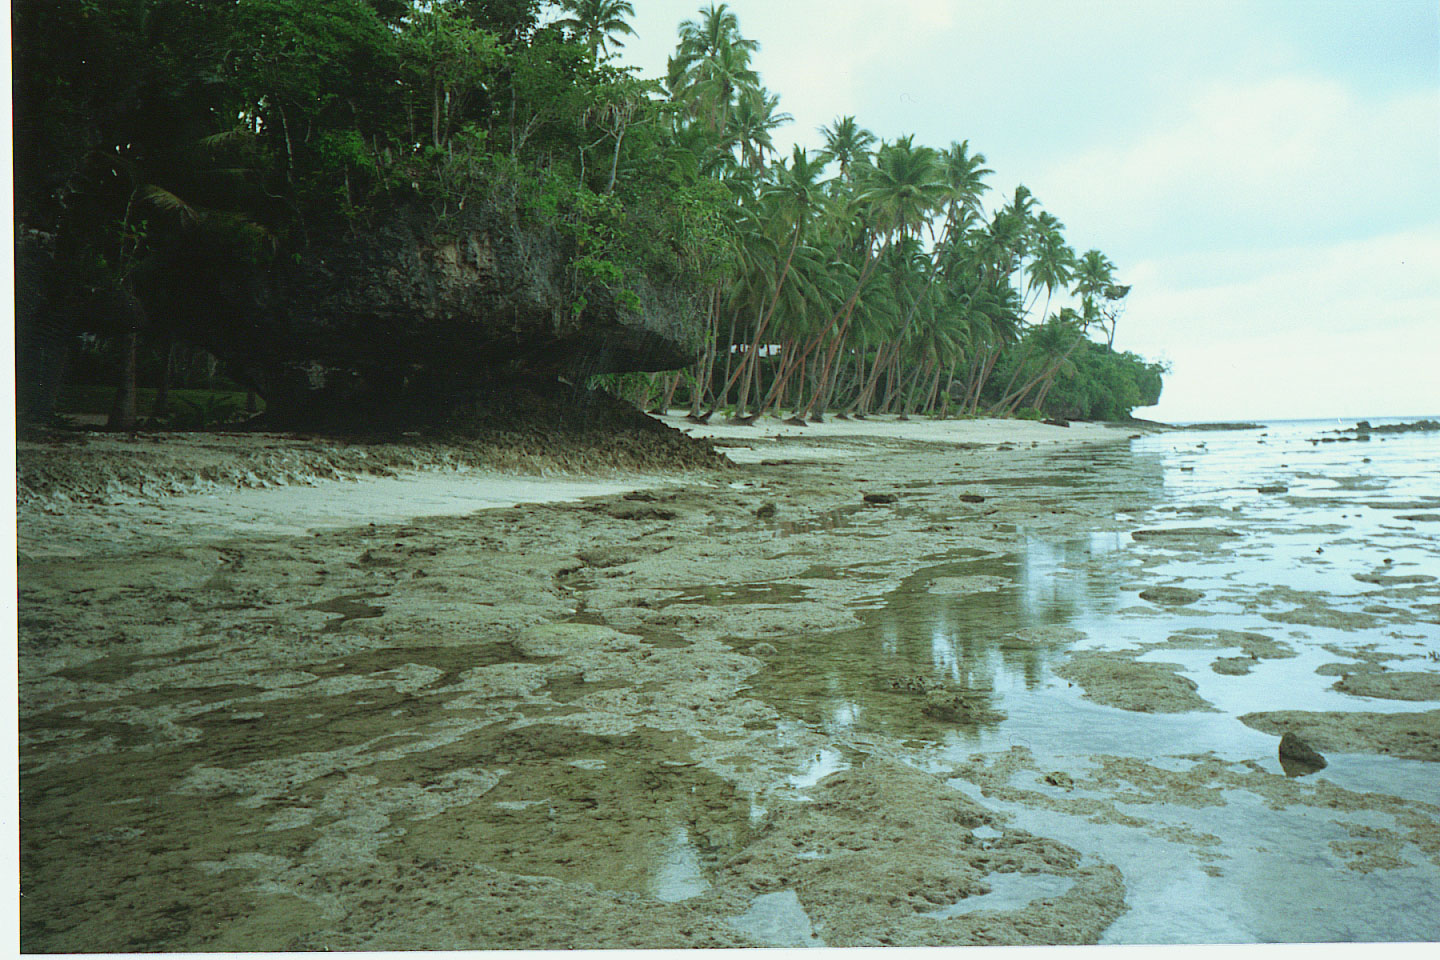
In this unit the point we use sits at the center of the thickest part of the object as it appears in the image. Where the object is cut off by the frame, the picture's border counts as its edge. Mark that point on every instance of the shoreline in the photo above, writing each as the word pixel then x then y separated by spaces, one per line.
pixel 97 467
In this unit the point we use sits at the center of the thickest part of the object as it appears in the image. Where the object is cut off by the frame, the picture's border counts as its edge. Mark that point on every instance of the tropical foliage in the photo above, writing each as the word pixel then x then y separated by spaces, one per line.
pixel 868 276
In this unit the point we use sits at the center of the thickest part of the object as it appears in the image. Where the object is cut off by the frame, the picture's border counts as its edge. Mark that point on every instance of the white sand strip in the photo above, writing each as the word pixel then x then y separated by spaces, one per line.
pixel 292 510
pixel 770 439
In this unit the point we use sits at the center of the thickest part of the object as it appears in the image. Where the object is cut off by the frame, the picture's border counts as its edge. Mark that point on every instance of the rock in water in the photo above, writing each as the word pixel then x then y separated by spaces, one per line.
pixel 1298 758
pixel 880 498
pixel 1170 596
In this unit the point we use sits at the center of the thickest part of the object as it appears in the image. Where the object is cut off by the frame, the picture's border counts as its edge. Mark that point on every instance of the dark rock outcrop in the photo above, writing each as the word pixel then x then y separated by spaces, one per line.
pixel 1298 758
pixel 394 323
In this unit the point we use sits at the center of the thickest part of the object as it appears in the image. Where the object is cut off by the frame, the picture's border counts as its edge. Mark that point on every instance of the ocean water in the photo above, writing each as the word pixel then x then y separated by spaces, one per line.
pixel 1216 844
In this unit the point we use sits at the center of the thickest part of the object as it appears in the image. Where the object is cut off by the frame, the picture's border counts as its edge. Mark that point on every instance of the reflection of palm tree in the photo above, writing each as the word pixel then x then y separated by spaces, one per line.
pixel 597 22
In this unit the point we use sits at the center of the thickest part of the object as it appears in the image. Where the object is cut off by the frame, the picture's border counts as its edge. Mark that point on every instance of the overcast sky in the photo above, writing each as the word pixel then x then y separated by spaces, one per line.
pixel 1266 173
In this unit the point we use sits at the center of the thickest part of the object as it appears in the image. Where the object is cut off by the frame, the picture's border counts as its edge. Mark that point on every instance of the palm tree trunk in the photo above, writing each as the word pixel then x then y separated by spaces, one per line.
pixel 162 396
pixel 770 312
pixel 663 407
pixel 122 411
pixel 705 370
pixel 1019 365
pixel 907 396
pixel 867 392
pixel 931 393
pixel 729 356
pixel 985 372
pixel 1006 403
pixel 826 376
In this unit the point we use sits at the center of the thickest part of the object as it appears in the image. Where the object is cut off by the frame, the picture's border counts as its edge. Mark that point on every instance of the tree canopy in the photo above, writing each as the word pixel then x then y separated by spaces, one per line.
pixel 868 276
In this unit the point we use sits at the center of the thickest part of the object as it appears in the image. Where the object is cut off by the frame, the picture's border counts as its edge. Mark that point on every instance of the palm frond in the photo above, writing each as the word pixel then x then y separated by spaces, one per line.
pixel 172 202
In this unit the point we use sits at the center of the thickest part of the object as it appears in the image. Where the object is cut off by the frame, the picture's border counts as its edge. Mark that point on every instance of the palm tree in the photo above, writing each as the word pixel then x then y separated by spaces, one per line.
pixel 756 114
pixel 716 29
pixel 1094 274
pixel 712 64
pixel 598 22
pixel 712 85
pixel 964 175
pixel 1053 262
pixel 1053 341
pixel 792 198
pixel 846 143
pixel 903 190
pixel 904 187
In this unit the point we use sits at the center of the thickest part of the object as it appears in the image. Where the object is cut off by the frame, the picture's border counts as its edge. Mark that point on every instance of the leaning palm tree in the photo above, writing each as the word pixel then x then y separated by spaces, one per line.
pixel 791 200
pixel 598 22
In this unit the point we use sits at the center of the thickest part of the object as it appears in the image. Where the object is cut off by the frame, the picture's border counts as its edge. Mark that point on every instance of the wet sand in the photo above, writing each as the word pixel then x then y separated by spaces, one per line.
pixel 618 721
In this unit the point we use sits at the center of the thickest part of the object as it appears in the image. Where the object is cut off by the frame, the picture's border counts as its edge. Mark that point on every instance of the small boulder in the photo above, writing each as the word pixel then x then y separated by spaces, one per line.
pixel 945 705
pixel 1298 758
pixel 971 498
pixel 765 511
pixel 880 498
pixel 1170 596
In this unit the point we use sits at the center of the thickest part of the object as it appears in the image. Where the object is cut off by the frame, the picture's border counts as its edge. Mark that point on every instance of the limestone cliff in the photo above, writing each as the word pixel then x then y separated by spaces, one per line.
pixel 422 310
pixel 381 325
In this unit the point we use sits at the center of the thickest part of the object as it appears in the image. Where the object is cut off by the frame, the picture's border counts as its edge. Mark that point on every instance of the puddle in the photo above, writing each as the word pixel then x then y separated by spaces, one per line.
pixel 969 627
pixel 350 607
pixel 1008 891
pixel 717 594
pixel 778 920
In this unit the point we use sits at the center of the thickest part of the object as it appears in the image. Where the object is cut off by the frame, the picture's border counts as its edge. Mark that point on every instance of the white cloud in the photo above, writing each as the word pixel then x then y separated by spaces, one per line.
pixel 1255 163
pixel 1345 329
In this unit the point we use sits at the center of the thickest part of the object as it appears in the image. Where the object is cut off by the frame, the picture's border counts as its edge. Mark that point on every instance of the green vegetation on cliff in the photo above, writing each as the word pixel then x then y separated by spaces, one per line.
pixel 385 202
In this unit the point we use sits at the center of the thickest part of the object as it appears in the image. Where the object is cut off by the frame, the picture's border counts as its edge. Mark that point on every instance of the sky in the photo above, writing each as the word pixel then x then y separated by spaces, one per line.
pixel 1264 173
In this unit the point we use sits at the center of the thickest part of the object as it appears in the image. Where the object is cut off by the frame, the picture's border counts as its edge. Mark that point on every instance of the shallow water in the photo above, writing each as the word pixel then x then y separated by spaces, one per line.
pixel 1259 866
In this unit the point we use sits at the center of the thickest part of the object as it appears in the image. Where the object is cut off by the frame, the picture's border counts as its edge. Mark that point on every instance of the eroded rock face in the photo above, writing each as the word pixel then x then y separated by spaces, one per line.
pixel 421 309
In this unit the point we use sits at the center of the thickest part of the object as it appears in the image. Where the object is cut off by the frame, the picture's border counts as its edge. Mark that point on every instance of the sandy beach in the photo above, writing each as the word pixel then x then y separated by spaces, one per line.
pixel 460 707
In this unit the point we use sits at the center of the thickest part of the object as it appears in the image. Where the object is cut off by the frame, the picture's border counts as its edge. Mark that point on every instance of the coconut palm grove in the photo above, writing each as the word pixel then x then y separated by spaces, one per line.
pixel 159 142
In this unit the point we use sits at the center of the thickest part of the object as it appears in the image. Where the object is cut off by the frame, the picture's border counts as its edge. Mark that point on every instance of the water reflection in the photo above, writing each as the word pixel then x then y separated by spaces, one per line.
pixel 923 638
